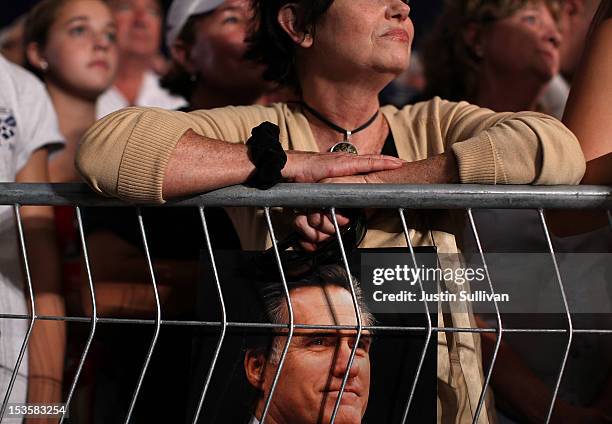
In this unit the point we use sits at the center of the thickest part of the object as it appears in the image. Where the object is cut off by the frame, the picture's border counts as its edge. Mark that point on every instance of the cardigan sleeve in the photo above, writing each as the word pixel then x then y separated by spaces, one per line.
pixel 509 148
pixel 125 154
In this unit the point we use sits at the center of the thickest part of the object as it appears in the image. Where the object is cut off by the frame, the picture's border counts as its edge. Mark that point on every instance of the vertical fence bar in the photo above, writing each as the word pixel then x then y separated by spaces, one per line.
pixel 223 315
pixel 281 362
pixel 609 218
pixel 26 339
pixel 500 328
pixel 357 316
pixel 157 318
pixel 94 316
pixel 428 336
pixel 567 312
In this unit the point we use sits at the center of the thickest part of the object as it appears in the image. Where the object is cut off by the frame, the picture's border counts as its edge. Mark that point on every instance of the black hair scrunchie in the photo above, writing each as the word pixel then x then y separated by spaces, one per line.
pixel 268 156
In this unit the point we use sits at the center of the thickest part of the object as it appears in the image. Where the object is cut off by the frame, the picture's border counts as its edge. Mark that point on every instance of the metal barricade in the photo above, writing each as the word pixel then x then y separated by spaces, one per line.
pixel 331 197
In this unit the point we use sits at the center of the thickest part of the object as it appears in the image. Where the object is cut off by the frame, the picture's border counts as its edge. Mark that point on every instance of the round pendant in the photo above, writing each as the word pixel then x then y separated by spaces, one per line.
pixel 344 147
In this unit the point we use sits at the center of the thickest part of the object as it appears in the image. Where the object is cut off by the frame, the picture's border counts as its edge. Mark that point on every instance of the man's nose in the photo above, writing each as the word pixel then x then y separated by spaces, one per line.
pixel 343 355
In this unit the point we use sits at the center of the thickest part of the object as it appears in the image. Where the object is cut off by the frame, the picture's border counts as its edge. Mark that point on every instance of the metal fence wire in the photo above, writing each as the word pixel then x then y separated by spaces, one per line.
pixel 397 197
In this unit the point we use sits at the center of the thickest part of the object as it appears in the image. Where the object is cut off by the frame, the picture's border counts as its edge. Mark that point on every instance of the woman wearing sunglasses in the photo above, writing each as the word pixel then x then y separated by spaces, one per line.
pixel 337 55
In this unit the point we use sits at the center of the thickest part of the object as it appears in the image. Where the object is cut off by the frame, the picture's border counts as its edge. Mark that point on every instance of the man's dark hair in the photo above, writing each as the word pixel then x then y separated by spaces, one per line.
pixel 270 45
pixel 274 303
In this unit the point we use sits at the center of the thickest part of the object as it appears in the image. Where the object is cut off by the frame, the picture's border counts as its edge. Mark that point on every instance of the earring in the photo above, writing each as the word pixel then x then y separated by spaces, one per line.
pixel 305 37
pixel 44 65
pixel 479 52
pixel 193 77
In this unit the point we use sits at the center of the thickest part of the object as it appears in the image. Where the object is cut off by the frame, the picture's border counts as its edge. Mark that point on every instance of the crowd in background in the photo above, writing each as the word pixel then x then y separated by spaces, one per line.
pixel 81 60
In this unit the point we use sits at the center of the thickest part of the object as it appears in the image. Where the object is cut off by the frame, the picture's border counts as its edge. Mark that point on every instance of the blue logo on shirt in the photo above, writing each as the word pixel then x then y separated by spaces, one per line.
pixel 8 124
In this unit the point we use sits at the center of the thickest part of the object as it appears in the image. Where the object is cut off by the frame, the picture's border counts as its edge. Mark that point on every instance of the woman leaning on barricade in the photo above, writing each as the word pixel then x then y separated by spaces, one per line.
pixel 337 55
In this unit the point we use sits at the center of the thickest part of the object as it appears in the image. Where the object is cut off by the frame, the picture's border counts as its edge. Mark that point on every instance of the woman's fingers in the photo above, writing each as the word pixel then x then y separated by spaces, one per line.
pixel 313 167
pixel 316 227
pixel 347 165
pixel 307 246
pixel 309 233
pixel 321 222
pixel 342 220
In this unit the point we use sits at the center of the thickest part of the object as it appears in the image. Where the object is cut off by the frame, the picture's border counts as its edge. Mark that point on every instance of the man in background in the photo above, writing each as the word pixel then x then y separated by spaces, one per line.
pixel 316 360
pixel 139 29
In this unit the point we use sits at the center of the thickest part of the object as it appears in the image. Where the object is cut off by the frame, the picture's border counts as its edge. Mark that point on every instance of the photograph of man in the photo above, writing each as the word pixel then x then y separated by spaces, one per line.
pixel 316 360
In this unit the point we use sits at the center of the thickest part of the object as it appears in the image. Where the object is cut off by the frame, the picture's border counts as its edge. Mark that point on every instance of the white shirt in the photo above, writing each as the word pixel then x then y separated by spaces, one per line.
pixel 151 94
pixel 27 123
pixel 554 98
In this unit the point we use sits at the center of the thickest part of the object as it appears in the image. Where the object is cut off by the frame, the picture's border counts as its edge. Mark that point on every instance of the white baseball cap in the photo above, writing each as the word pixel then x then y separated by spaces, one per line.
pixel 181 10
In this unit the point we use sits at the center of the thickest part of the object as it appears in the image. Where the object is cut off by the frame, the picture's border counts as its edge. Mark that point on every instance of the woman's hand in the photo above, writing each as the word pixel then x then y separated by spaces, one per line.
pixel 316 226
pixel 304 167
pixel 354 179
pixel 440 169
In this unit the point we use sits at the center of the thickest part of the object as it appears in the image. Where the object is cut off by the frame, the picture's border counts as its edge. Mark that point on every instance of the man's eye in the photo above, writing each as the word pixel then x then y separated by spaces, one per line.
pixel 364 344
pixel 316 342
pixel 530 19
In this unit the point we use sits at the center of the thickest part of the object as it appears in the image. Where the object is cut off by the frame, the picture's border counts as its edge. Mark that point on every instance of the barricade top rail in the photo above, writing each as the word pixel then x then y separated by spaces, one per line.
pixel 456 196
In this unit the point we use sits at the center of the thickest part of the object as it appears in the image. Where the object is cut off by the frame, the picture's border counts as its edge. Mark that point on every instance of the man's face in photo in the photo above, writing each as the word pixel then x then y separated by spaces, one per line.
pixel 316 363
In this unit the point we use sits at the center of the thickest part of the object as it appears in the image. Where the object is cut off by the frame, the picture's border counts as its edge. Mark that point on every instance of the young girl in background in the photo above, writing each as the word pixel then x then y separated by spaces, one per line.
pixel 70 45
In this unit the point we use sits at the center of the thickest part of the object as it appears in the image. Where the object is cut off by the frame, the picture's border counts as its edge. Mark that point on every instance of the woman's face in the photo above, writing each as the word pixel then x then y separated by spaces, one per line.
pixel 81 48
pixel 524 44
pixel 357 37
pixel 217 55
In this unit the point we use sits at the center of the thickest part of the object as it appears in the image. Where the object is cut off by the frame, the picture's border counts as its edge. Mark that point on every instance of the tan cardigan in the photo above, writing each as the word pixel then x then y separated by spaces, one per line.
pixel 126 153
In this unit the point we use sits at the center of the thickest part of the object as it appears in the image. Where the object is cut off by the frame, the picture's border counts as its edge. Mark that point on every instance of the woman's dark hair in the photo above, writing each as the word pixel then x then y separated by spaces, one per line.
pixel 37 26
pixel 271 46
pixel 177 80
